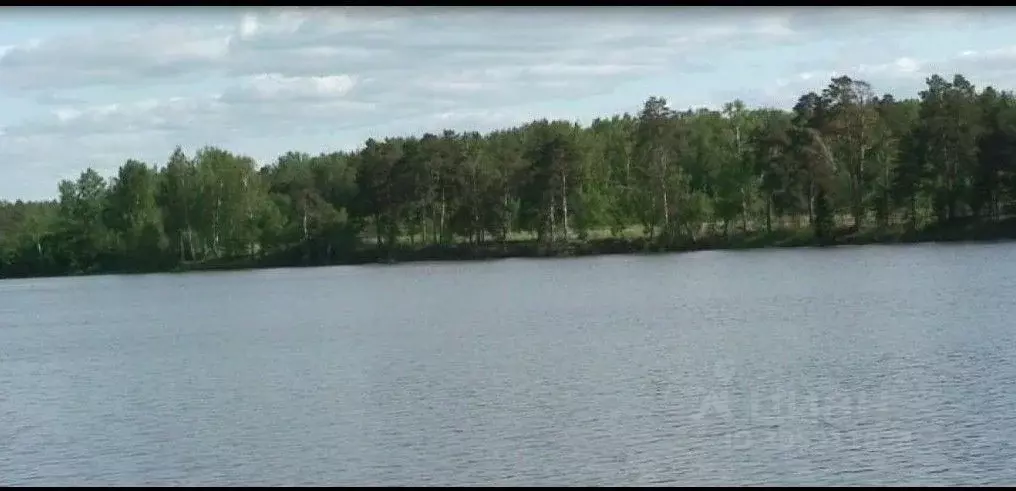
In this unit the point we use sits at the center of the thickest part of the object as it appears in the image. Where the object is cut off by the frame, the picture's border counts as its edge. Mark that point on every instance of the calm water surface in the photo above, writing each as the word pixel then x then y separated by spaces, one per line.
pixel 866 365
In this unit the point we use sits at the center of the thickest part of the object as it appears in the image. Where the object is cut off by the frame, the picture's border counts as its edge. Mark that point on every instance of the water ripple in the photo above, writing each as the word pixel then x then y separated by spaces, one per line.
pixel 879 366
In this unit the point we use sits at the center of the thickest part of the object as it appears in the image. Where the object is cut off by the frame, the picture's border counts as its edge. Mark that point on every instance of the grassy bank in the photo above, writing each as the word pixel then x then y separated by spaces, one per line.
pixel 970 231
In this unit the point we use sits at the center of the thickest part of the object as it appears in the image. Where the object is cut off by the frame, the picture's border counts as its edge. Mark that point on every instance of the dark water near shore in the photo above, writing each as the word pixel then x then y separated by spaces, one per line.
pixel 854 365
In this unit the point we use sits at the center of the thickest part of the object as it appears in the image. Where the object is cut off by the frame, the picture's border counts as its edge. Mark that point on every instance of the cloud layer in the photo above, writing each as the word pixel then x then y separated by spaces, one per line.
pixel 264 80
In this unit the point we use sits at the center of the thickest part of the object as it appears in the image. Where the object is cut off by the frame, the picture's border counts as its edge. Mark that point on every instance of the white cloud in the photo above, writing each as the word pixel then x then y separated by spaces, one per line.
pixel 272 72
pixel 274 87
pixel 269 103
pixel 373 54
pixel 113 58
pixel 307 41
pixel 903 76
pixel 775 26
pixel 907 65
pixel 987 60
pixel 819 76
pixel 900 67
pixel 248 26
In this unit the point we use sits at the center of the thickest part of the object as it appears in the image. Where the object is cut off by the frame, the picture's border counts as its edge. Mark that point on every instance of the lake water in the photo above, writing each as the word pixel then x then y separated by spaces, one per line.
pixel 855 365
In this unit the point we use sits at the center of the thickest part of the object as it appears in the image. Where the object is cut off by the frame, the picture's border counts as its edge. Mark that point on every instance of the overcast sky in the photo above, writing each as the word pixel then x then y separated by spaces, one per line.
pixel 92 87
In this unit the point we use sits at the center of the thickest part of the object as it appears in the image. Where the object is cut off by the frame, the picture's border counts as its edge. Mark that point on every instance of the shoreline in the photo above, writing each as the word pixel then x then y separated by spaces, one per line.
pixel 971 232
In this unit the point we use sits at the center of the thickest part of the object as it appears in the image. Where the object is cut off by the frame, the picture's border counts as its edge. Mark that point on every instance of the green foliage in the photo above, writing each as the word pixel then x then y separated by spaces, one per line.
pixel 841 160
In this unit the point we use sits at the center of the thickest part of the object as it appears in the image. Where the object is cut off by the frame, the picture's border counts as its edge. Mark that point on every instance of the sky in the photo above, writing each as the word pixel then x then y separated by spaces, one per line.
pixel 93 87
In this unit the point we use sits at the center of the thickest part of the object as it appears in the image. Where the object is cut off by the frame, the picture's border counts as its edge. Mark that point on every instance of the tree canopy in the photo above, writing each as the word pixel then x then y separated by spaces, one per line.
pixel 842 160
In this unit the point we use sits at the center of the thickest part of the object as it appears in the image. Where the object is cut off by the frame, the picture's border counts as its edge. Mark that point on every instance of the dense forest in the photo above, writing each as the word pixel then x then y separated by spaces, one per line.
pixel 843 165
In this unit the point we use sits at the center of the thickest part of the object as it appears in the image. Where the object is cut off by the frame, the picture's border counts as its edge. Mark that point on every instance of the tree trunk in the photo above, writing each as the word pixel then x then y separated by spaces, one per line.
pixel 553 231
pixel 886 197
pixel 744 215
pixel 913 212
pixel 190 243
pixel 304 223
pixel 858 192
pixel 564 205
pixel 390 226
pixel 666 213
pixel 441 219
pixel 811 203
pixel 769 214
pixel 506 221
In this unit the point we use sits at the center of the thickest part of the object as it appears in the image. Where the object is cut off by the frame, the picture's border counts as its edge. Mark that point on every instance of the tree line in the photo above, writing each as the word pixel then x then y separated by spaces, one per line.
pixel 842 161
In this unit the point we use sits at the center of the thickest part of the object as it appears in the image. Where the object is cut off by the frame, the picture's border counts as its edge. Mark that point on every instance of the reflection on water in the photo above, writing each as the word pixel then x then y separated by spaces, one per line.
pixel 869 365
